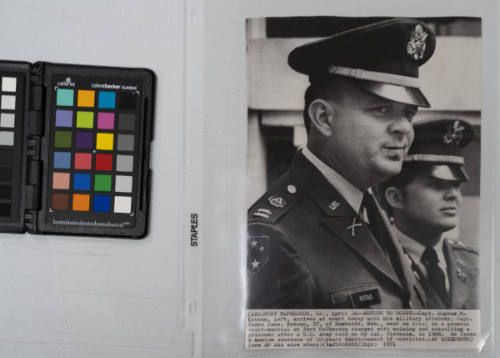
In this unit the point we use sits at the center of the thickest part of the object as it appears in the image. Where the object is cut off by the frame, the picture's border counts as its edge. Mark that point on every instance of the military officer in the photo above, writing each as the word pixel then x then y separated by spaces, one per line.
pixel 424 200
pixel 316 238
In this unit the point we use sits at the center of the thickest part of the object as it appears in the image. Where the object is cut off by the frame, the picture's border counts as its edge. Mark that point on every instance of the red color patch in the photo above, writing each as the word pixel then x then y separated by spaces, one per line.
pixel 83 161
pixel 104 162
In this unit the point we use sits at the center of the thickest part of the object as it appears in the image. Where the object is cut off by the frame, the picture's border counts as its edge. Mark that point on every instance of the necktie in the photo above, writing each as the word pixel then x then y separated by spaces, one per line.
pixel 369 213
pixel 435 274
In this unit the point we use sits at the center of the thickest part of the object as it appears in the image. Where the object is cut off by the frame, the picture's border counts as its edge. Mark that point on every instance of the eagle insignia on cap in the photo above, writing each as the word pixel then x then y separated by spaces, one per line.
pixel 416 45
pixel 454 134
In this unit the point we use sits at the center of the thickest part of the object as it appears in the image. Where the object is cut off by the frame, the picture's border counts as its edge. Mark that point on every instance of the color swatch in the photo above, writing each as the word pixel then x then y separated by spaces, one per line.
pixel 94 144
pixel 74 149
pixel 7 110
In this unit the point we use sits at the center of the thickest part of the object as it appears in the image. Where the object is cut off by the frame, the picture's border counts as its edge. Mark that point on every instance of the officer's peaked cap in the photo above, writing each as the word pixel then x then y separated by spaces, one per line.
pixel 384 56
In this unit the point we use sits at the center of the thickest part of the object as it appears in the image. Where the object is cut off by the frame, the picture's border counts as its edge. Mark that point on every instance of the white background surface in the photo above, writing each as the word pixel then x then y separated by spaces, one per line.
pixel 96 297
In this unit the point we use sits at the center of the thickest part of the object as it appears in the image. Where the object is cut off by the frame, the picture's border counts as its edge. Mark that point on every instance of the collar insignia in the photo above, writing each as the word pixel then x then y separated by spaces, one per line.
pixel 333 205
pixel 454 134
pixel 353 227
pixel 460 274
pixel 415 47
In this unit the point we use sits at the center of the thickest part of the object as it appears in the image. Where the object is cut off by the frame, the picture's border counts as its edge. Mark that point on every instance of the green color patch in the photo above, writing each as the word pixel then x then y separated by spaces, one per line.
pixel 102 182
pixel 62 139
pixel 85 119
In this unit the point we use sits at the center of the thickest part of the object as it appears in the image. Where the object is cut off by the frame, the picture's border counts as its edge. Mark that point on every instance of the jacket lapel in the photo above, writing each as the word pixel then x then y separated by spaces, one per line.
pixel 361 240
pixel 411 283
pixel 460 278
pixel 340 217
pixel 433 299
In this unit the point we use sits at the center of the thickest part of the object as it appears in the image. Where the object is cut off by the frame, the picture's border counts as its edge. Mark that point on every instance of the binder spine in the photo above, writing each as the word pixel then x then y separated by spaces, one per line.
pixel 34 166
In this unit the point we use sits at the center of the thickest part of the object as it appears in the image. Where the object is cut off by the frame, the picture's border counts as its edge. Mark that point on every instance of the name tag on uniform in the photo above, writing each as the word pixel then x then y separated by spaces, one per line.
pixel 365 298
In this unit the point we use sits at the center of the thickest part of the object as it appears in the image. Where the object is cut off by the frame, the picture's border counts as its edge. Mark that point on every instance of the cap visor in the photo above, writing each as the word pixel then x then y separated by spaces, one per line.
pixel 446 172
pixel 407 95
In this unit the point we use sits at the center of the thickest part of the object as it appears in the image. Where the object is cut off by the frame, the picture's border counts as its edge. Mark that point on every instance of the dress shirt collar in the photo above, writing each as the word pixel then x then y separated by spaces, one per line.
pixel 415 250
pixel 351 194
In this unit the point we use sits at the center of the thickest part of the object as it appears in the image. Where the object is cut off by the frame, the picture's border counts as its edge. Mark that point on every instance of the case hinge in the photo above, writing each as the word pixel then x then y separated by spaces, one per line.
pixel 35 129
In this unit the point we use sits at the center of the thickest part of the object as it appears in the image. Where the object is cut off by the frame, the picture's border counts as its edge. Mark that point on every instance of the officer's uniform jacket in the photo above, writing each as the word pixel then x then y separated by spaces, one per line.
pixel 308 248
pixel 462 270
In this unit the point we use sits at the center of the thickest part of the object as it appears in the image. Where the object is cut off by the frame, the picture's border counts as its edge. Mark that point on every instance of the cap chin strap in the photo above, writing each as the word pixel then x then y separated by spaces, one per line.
pixel 383 77
pixel 434 158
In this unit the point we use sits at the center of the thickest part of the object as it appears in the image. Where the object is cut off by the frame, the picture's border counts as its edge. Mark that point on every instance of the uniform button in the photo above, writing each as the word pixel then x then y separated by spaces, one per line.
pixel 292 189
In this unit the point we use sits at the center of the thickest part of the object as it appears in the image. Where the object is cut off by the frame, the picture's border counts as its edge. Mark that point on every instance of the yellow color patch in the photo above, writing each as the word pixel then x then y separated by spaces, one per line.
pixel 104 141
pixel 86 98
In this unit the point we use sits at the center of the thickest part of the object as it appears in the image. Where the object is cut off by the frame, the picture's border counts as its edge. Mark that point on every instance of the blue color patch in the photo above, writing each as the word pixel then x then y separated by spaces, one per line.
pixel 102 203
pixel 62 160
pixel 81 182
pixel 64 118
pixel 107 99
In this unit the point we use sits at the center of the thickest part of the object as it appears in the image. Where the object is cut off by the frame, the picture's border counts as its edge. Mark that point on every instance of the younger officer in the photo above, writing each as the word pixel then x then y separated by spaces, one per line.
pixel 424 200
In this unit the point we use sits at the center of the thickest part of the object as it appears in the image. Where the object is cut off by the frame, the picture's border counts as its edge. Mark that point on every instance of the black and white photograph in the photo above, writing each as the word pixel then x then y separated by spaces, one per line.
pixel 363 162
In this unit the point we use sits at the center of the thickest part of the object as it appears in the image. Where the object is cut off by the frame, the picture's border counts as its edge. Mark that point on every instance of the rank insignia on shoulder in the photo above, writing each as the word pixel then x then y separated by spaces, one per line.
pixel 459 245
pixel 365 298
pixel 264 213
pixel 276 201
pixel 257 254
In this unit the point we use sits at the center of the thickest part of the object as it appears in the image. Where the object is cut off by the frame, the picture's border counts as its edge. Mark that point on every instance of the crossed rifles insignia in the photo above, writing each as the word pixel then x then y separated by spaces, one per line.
pixel 353 227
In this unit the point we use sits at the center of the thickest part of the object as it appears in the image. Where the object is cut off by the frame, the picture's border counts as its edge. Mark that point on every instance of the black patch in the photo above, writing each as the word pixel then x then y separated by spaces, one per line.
pixel 5 191
pixel 5 174
pixel 365 298
pixel 127 101
pixel 4 209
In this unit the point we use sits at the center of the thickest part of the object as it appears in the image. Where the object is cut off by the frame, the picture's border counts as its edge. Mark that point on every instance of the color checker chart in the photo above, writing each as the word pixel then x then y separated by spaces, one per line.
pixel 94 146
pixel 74 149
